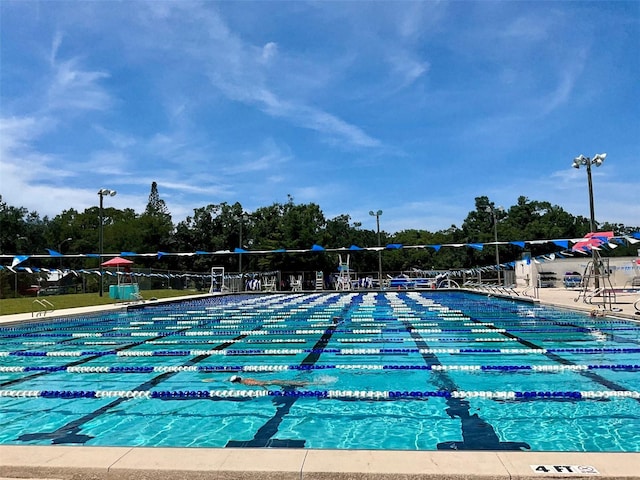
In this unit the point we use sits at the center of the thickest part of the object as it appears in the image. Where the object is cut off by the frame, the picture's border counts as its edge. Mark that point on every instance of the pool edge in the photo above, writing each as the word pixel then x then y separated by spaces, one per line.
pixel 66 462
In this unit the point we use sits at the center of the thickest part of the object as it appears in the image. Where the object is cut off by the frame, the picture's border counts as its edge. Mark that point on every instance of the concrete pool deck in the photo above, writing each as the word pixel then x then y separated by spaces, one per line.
pixel 66 463
pixel 126 463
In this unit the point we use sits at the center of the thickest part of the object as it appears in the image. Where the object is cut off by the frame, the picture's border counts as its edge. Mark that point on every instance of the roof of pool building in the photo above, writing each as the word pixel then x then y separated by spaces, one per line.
pixel 374 385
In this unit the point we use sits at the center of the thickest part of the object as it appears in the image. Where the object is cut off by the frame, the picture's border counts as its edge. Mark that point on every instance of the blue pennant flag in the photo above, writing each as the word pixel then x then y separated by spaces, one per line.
pixel 18 259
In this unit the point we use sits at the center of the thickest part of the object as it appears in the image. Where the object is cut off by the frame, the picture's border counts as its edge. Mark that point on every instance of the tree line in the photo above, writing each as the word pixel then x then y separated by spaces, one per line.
pixel 286 225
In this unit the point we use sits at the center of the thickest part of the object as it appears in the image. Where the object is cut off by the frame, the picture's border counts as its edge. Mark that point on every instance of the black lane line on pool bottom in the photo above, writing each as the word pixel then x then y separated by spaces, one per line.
pixel 51 327
pixel 594 377
pixel 264 435
pixel 69 433
pixel 477 434
pixel 71 364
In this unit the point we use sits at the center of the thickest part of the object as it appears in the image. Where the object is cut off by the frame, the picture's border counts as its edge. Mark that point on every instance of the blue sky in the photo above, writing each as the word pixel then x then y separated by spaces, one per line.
pixel 414 108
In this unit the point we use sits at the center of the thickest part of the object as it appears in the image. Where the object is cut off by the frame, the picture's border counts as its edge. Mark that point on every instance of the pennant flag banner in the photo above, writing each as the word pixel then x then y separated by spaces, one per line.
pixel 592 240
pixel 582 246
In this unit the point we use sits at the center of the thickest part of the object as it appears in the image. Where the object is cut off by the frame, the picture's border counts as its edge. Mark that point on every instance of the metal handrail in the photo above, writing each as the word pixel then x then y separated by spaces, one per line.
pixel 589 298
pixel 45 304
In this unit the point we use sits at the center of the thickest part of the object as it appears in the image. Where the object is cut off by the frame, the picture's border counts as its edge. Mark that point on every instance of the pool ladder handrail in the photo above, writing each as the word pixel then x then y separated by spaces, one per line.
pixel 492 288
pixel 45 305
pixel 451 283
pixel 531 291
pixel 608 297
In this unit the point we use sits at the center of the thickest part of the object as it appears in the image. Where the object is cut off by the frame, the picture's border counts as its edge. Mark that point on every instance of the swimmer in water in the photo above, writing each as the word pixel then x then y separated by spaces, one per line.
pixel 252 382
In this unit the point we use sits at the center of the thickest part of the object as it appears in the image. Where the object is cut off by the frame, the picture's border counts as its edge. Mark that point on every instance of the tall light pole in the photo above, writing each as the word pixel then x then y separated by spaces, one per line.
pixel 491 210
pixel 587 162
pixel 241 219
pixel 101 193
pixel 377 215
pixel 60 248
pixel 15 274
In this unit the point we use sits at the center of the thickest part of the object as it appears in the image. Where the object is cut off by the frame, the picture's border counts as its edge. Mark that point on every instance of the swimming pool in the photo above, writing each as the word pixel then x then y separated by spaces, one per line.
pixel 388 370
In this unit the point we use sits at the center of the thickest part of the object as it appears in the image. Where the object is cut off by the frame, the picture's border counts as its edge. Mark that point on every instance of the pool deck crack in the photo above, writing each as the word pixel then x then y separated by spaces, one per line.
pixel 117 460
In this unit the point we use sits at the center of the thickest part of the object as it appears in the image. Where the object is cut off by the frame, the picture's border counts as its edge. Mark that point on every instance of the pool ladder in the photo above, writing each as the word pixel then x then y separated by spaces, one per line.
pixel 43 306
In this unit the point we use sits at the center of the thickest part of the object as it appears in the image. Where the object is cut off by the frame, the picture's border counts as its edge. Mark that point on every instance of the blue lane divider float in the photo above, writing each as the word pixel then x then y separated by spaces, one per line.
pixel 353 331
pixel 331 394
pixel 339 351
pixel 275 368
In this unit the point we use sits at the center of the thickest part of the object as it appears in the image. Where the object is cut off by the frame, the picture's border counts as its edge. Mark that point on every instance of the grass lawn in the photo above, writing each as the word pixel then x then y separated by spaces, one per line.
pixel 9 306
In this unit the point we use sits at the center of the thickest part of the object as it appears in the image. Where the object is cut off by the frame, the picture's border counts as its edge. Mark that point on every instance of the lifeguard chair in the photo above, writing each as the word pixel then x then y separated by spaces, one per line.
pixel 343 281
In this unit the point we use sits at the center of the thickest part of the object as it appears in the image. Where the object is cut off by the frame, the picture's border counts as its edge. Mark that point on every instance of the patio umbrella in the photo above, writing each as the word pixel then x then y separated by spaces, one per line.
pixel 117 262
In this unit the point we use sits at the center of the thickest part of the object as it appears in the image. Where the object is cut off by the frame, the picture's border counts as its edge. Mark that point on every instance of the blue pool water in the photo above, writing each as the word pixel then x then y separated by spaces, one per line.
pixel 386 370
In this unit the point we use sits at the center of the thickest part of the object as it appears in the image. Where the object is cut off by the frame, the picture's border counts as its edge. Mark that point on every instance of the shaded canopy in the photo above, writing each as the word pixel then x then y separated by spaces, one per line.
pixel 117 262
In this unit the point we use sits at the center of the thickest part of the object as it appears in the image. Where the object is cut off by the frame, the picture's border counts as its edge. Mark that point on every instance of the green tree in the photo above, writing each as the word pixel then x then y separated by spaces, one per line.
pixel 155 227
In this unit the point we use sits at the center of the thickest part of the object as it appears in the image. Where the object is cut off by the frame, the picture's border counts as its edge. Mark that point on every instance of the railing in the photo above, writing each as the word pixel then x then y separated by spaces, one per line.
pixel 531 291
pixel 608 297
pixel 452 284
pixel 509 291
pixel 43 307
pixel 498 289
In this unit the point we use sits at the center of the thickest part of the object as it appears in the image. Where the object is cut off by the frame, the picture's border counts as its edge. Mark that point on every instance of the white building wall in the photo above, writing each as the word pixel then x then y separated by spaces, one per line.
pixel 622 270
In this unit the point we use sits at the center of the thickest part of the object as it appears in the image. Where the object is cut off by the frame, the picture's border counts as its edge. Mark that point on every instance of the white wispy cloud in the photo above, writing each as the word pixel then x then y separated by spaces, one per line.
pixel 242 76
pixel 269 51
pixel 407 69
pixel 117 139
pixel 73 88
pixel 266 158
